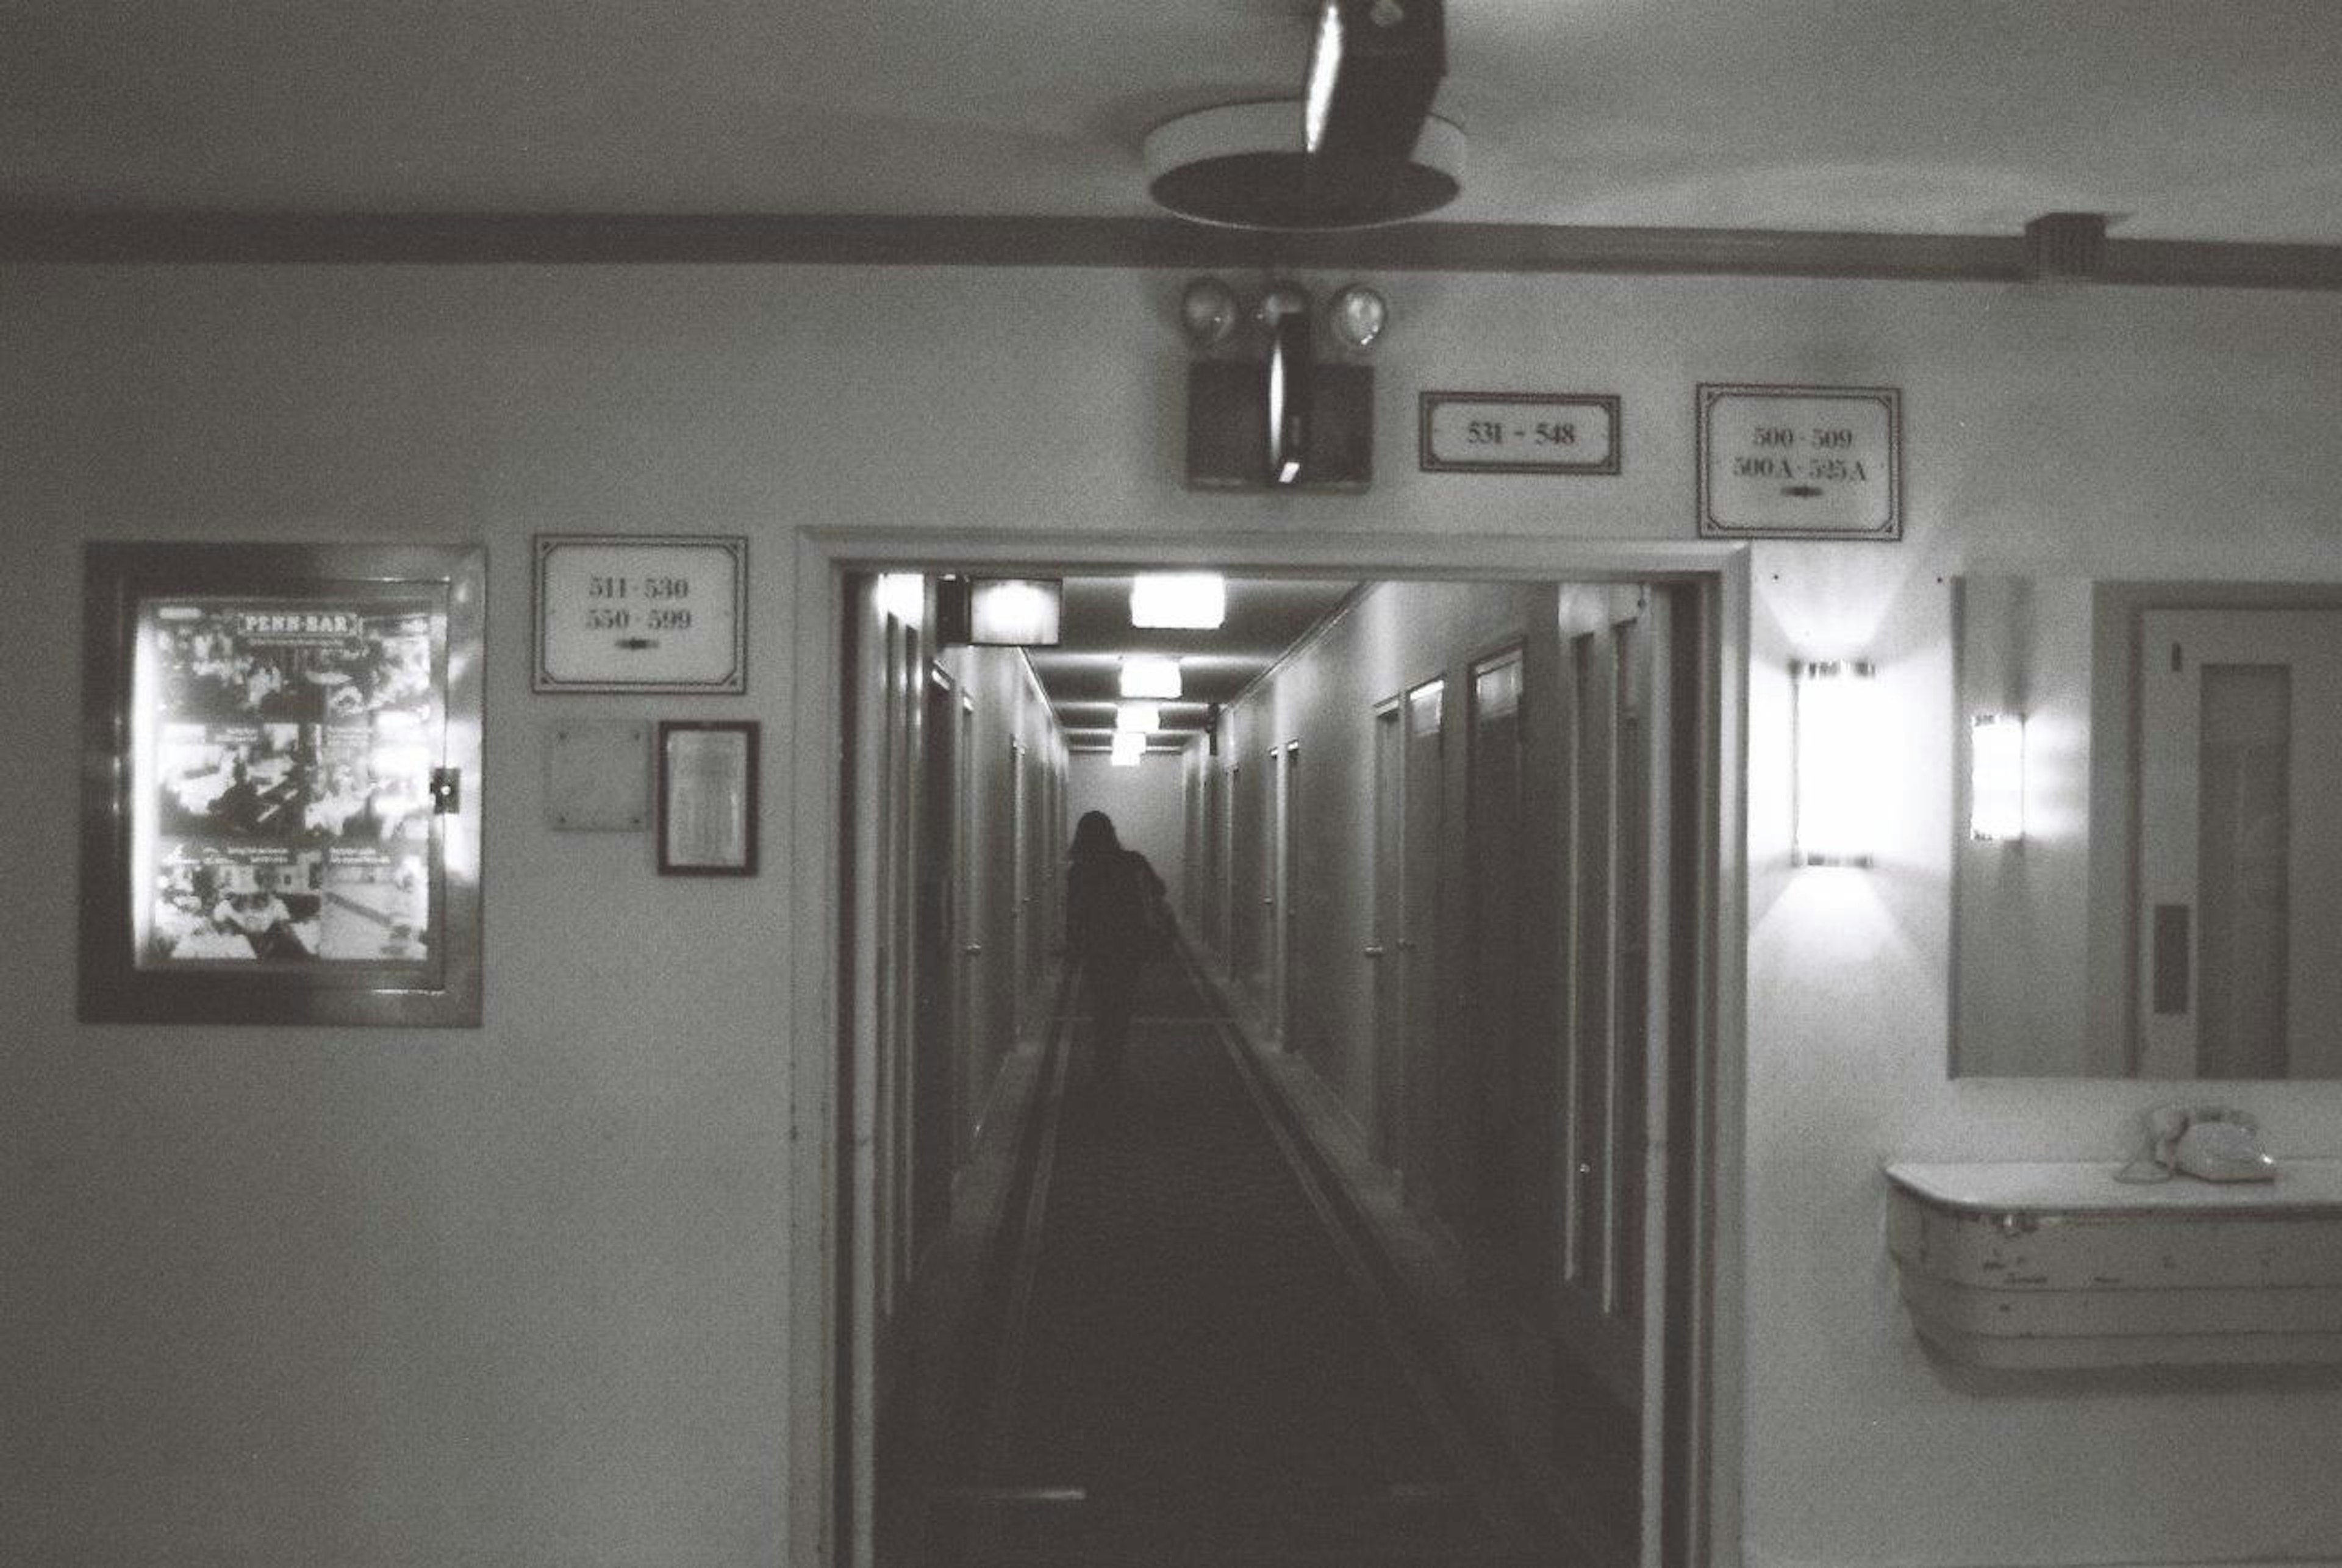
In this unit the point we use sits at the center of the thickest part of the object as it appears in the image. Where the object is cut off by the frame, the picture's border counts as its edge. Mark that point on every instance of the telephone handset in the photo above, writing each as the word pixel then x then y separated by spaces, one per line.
pixel 2210 1144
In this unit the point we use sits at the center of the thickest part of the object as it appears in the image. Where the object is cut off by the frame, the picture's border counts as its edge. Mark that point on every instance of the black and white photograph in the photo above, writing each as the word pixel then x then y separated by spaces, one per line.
pixel 1243 784
pixel 293 748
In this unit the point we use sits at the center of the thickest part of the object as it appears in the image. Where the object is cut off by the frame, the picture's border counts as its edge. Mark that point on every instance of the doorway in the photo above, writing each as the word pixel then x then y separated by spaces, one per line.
pixel 1693 1457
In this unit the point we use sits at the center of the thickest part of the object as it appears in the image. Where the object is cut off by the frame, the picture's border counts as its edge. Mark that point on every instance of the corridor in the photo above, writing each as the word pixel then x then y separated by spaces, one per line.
pixel 1179 1357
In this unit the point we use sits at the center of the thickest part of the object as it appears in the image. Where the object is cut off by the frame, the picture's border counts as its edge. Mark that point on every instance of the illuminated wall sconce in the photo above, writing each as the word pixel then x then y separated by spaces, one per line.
pixel 1996 777
pixel 1150 676
pixel 1129 746
pixel 1138 718
pixel 1835 720
pixel 1182 601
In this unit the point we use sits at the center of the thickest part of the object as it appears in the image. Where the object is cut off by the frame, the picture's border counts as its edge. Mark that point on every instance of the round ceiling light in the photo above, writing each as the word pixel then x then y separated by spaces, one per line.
pixel 1242 165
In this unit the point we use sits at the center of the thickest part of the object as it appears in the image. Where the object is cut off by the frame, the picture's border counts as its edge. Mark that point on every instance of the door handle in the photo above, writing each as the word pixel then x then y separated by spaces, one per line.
pixel 973 948
pixel 1374 952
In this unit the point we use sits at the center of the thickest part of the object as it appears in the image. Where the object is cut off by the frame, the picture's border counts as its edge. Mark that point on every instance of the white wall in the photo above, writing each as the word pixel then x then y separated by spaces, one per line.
pixel 1148 808
pixel 519 1293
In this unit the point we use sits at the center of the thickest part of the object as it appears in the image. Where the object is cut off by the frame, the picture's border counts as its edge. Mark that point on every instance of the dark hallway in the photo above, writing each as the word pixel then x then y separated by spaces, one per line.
pixel 1177 1357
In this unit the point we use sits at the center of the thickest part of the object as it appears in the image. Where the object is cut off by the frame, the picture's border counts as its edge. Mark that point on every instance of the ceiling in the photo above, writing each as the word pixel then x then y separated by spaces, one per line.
pixel 1082 674
pixel 2188 121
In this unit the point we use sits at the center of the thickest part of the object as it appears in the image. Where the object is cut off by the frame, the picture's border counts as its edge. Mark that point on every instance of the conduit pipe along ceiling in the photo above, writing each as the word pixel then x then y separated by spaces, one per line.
pixel 1360 147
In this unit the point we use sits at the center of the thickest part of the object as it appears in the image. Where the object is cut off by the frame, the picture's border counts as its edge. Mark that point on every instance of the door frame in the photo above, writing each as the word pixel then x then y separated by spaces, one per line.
pixel 1703 1438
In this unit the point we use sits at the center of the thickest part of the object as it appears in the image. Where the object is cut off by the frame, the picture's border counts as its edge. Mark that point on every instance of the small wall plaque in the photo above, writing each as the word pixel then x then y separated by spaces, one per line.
pixel 1800 461
pixel 659 614
pixel 1520 433
pixel 707 797
pixel 597 776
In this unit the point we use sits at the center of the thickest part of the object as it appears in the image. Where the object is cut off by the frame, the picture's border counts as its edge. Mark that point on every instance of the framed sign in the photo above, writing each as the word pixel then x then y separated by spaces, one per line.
pixel 662 613
pixel 1800 461
pixel 1519 433
pixel 707 798
pixel 280 809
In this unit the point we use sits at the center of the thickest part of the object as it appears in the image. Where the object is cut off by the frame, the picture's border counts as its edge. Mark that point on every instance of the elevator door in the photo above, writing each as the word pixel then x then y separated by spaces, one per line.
pixel 2239 866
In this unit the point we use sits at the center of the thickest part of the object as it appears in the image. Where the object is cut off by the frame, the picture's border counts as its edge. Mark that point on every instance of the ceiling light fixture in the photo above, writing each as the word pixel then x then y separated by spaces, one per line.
pixel 1150 676
pixel 1138 718
pixel 1184 601
pixel 1244 166
pixel 1129 746
pixel 1374 66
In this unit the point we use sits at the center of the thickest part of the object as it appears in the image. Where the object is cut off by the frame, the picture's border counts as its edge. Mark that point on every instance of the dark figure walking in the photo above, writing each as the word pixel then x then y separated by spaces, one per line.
pixel 1111 901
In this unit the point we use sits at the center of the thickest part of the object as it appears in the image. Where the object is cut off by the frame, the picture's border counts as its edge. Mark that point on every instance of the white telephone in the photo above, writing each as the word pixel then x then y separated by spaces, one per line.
pixel 2210 1142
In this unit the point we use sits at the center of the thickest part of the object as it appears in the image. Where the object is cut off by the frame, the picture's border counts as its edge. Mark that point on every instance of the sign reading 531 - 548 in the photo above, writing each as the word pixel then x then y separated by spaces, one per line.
pixel 659 614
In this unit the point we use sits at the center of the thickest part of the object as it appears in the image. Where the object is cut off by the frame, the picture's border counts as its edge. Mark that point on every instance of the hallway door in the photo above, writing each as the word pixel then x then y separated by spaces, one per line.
pixel 937 1076
pixel 2240 868
pixel 1618 854
pixel 1284 880
pixel 1021 911
pixel 1387 919
pixel 1422 833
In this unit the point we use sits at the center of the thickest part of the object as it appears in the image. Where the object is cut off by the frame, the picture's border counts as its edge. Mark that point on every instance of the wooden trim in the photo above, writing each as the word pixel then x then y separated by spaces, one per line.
pixel 67 234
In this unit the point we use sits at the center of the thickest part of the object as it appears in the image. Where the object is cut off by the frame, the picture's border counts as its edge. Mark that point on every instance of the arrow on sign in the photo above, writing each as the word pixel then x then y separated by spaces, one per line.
pixel 637 644
pixel 1803 491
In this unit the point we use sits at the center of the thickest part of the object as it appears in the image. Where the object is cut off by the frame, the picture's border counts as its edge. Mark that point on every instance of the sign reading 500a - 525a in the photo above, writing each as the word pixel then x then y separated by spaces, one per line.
pixel 660 614
pixel 1800 461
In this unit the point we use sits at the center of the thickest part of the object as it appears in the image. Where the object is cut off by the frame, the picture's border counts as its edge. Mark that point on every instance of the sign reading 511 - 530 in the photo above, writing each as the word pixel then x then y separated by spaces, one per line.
pixel 651 613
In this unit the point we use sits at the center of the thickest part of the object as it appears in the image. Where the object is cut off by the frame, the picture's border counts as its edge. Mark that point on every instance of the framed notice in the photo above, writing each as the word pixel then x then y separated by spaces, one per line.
pixel 1800 461
pixel 662 613
pixel 281 812
pixel 707 798
pixel 1519 433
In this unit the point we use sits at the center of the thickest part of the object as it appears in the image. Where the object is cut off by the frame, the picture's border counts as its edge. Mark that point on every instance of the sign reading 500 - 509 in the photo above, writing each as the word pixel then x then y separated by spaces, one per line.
pixel 641 614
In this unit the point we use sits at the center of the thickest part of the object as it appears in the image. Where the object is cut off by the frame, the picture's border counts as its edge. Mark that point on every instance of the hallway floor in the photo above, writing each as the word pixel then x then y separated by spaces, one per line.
pixel 1176 1362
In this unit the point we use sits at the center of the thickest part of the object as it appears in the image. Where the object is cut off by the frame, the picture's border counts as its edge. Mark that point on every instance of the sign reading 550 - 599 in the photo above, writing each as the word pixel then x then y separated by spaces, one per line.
pixel 660 614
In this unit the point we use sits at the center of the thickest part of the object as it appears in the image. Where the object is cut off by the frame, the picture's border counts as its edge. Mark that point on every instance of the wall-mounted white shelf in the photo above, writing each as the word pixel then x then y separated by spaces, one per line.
pixel 2057 1264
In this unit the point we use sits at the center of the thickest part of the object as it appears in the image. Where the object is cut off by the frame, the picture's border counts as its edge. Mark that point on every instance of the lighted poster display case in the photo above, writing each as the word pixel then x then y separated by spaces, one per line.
pixel 280 812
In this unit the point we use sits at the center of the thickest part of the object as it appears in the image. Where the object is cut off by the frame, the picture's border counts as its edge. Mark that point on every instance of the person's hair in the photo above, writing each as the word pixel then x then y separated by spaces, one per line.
pixel 1094 835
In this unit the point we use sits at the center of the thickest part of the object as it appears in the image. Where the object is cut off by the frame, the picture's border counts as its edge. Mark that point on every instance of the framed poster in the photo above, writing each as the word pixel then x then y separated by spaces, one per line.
pixel 707 798
pixel 657 613
pixel 1519 433
pixel 280 811
pixel 1800 461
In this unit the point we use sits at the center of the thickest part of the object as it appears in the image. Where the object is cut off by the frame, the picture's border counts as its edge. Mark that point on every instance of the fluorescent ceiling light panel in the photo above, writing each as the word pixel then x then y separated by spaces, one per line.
pixel 1150 676
pixel 1014 612
pixel 1191 601
pixel 904 595
pixel 1138 718
pixel 1128 747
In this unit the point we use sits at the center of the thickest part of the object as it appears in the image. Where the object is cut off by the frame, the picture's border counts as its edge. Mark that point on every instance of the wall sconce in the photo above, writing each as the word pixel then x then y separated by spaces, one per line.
pixel 1150 676
pixel 1837 809
pixel 1129 746
pixel 1996 777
